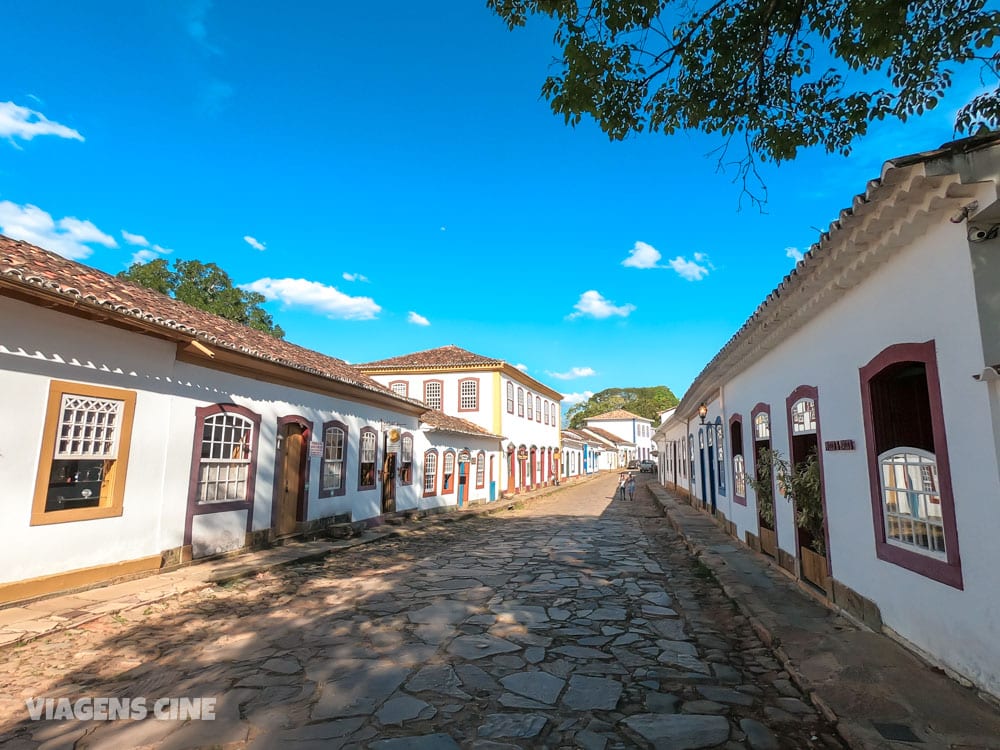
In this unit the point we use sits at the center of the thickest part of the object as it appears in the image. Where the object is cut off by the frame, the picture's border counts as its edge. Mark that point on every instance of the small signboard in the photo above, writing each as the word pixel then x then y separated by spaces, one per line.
pixel 839 445
pixel 523 453
pixel 464 457
pixel 315 449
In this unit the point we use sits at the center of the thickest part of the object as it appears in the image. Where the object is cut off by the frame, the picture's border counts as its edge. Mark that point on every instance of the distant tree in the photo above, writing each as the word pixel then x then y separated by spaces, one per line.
pixel 776 76
pixel 207 287
pixel 646 402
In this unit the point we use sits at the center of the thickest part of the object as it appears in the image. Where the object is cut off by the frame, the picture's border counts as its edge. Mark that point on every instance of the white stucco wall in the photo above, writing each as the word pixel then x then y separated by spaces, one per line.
pixel 638 431
pixel 39 345
pixel 925 293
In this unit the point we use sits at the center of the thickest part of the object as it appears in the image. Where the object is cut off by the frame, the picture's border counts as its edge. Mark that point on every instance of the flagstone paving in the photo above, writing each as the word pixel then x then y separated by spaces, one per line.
pixel 579 621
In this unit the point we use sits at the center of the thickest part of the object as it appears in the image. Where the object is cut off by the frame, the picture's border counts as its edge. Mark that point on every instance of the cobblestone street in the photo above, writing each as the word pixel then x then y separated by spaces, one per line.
pixel 578 621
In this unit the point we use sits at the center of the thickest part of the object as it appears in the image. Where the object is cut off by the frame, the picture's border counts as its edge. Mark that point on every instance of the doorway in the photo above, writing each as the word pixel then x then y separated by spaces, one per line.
pixel 766 526
pixel 463 482
pixel 701 458
pixel 389 483
pixel 290 483
pixel 805 459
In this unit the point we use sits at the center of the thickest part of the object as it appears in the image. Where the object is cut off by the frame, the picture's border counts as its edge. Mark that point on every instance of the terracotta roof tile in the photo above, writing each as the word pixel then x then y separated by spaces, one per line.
pixel 616 414
pixel 36 269
pixel 443 356
pixel 609 436
pixel 441 421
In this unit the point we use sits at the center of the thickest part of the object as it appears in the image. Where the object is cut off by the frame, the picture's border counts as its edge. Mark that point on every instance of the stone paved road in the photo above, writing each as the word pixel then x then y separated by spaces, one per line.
pixel 577 622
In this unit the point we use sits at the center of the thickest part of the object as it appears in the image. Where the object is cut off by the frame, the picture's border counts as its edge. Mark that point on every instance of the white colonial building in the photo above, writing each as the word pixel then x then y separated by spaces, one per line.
pixel 492 394
pixel 876 365
pixel 631 428
pixel 149 432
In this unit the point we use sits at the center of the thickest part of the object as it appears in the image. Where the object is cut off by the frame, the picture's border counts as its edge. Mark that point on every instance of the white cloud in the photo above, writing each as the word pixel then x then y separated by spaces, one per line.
pixel 574 372
pixel 255 244
pixel 690 269
pixel 575 398
pixel 521 367
pixel 135 239
pixel 354 277
pixel 444 229
pixel 642 255
pixel 162 250
pixel 69 237
pixel 316 296
pixel 417 320
pixel 793 253
pixel 143 256
pixel 592 304
pixel 24 123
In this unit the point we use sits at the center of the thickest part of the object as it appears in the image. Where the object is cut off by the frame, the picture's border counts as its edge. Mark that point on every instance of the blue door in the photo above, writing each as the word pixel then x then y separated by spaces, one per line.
pixel 701 456
pixel 493 480
pixel 462 486
pixel 711 467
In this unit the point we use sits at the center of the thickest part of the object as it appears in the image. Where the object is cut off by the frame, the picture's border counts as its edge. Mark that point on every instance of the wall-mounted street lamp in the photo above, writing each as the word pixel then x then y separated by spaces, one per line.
pixel 702 412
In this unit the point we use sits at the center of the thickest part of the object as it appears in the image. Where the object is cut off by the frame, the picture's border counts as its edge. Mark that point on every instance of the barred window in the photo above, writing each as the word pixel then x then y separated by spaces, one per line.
pixel 520 402
pixel 468 395
pixel 531 412
pixel 400 388
pixel 84 453
pixel 538 409
pixel 510 397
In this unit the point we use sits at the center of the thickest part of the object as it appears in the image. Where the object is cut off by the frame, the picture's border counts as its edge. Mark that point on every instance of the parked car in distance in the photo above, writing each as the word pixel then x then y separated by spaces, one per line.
pixel 647 465
pixel 632 465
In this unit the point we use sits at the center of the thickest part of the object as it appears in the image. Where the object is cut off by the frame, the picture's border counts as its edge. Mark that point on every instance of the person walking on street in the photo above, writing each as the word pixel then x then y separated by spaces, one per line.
pixel 630 486
pixel 622 479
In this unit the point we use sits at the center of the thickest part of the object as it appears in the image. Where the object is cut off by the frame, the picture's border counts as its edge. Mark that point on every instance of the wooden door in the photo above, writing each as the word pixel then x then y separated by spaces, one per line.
pixel 389 483
pixel 291 481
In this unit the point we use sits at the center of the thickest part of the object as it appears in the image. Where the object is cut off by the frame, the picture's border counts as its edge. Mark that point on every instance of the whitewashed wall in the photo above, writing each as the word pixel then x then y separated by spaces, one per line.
pixel 39 345
pixel 925 293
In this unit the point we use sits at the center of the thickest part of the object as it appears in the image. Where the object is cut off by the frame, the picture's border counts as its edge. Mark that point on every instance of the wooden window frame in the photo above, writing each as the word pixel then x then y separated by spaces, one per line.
pixel 530 399
pixel 448 488
pixel 194 507
pixel 431 452
pixel 538 408
pixel 405 472
pixel 736 449
pixel 112 500
pixel 404 383
pixel 510 397
pixel 520 401
pixel 343 472
pixel 480 470
pixel 720 456
pixel 462 382
pixel 949 570
pixel 361 446
pixel 440 383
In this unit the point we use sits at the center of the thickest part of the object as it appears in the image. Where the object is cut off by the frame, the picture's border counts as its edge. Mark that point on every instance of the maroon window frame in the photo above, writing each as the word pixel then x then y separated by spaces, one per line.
pixel 362 484
pixel 194 507
pixel 459 403
pixel 949 570
pixel 448 480
pixel 810 392
pixel 480 470
pixel 510 397
pixel 423 473
pixel 736 449
pixel 343 476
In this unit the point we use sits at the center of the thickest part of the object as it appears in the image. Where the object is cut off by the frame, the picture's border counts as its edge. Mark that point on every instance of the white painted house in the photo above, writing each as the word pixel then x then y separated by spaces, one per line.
pixel 635 430
pixel 492 394
pixel 880 355
pixel 150 432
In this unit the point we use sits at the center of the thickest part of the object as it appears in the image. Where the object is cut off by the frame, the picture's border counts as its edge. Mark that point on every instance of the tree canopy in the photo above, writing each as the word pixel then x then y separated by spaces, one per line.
pixel 207 287
pixel 775 76
pixel 646 402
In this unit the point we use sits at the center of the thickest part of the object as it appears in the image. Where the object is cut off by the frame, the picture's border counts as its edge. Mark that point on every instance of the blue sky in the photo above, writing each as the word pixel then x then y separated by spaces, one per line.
pixel 389 176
